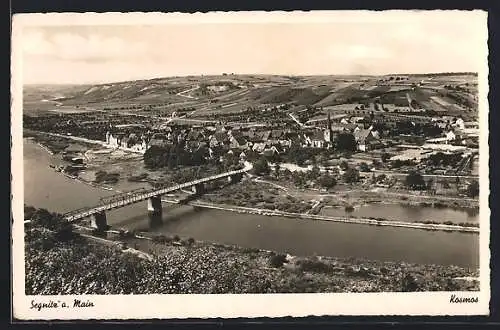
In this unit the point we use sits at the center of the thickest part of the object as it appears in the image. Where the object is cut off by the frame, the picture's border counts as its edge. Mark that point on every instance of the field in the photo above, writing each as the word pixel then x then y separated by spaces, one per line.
pixel 201 96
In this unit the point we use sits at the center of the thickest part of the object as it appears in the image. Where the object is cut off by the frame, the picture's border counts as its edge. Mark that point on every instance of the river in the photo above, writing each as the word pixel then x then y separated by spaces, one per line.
pixel 43 187
pixel 410 213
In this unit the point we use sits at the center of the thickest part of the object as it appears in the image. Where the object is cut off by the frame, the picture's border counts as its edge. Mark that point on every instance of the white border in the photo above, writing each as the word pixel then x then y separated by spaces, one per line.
pixel 230 306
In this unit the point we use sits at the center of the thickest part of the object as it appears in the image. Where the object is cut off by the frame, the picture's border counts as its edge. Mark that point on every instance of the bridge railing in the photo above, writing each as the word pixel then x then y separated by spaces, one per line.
pixel 131 196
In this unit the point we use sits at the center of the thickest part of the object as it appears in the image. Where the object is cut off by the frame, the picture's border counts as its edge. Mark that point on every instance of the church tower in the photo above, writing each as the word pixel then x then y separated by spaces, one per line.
pixel 328 131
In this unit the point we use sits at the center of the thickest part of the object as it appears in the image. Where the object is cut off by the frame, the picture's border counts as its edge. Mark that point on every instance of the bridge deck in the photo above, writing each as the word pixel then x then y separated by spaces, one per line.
pixel 138 195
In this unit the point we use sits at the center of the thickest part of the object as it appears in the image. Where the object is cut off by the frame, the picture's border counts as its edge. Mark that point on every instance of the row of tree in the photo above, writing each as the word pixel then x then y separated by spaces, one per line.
pixel 172 156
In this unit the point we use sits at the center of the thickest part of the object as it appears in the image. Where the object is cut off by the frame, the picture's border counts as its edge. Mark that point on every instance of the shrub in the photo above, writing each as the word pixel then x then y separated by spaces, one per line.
pixel 161 239
pixel 314 266
pixel 409 284
pixel 349 208
pixel 277 260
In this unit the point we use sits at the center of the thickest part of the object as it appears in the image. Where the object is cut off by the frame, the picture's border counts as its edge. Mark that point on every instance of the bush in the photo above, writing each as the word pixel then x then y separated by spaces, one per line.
pixel 349 208
pixel 314 266
pixel 65 233
pixel 277 260
pixel 161 239
pixel 261 167
pixel 415 180
pixel 327 181
pixel 473 189
pixel 363 167
pixel 409 284
pixel 351 175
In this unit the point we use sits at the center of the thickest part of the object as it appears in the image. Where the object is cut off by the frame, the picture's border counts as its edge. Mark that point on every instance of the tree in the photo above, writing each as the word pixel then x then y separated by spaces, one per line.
pixel 277 169
pixel 363 167
pixel 473 189
pixel 385 156
pixel 409 284
pixel 261 167
pixel 345 142
pixel 415 180
pixel 327 181
pixel 314 173
pixel 156 156
pixel 381 178
pixel 351 175
pixel 430 183
pixel 277 260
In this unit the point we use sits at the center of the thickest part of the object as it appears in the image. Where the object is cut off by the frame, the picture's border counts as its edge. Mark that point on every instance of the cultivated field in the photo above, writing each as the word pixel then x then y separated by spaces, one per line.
pixel 205 95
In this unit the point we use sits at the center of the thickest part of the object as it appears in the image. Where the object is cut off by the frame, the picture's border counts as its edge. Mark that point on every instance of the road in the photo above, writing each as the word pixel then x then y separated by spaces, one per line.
pixel 101 143
pixel 297 121
pixel 427 175
pixel 187 91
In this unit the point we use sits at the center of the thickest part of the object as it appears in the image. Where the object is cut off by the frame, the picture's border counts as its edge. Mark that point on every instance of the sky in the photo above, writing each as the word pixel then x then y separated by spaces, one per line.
pixel 411 42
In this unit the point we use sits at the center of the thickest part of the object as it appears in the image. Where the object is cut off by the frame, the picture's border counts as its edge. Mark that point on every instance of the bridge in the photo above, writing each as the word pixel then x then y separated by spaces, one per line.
pixel 153 196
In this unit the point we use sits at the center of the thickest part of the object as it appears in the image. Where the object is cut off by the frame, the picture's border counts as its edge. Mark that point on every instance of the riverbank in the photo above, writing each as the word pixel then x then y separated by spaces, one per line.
pixel 252 196
pixel 469 228
pixel 164 264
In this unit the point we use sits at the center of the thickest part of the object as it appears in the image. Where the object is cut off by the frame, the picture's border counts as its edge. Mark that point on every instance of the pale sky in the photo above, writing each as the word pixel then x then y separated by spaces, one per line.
pixel 416 42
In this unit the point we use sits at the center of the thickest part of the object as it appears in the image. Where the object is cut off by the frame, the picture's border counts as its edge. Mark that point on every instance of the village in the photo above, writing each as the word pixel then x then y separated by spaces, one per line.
pixel 379 145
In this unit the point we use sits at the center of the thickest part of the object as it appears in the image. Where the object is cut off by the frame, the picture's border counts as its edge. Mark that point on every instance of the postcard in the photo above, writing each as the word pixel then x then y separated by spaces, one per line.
pixel 249 164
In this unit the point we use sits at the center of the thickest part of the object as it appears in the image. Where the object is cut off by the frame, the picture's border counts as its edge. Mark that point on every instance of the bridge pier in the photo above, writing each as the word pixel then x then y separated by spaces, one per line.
pixel 154 205
pixel 99 221
pixel 198 189
pixel 155 212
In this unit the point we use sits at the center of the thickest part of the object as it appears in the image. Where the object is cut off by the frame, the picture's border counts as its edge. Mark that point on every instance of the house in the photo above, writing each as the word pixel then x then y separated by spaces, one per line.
pixel 355 120
pixel 450 136
pixel 157 142
pixel 349 127
pixel 259 147
pixel 142 146
pixel 363 137
pixel 124 142
pixel 459 123
pixel 238 142
pixel 471 124
pixel 442 125
pixel 195 135
pixel 218 139
pixel 277 134
pixel 287 138
pixel 315 140
pixel 114 140
pixel 337 128
pixel 270 151
pixel 251 135
pixel 264 136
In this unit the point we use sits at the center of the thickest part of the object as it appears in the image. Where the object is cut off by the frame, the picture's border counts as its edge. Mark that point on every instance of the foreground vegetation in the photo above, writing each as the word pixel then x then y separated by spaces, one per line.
pixel 61 261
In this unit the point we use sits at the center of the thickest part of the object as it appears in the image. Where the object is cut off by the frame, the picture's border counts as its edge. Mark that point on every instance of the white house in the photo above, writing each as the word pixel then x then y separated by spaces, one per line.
pixel 450 136
pixel 459 123
pixel 112 141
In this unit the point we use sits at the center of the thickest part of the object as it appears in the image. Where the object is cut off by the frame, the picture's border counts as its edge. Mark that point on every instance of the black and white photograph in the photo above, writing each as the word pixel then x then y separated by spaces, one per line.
pixel 203 165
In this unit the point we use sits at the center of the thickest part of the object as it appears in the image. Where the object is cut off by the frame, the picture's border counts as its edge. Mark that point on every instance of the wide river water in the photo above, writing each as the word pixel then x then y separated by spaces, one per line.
pixel 45 188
